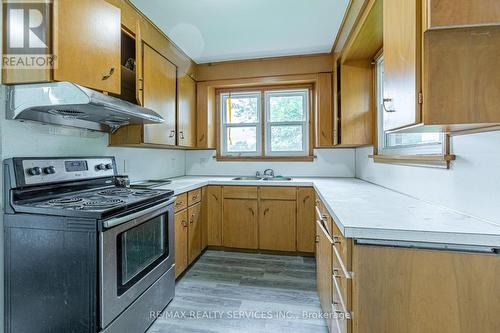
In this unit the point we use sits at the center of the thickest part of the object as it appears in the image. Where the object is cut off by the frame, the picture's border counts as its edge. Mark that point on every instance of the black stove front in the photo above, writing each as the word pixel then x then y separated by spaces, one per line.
pixel 83 254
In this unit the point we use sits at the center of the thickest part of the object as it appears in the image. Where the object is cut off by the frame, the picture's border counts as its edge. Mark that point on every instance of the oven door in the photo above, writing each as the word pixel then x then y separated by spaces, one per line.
pixel 135 250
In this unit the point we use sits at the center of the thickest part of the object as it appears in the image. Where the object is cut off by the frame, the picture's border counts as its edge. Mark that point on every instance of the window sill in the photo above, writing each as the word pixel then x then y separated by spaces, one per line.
pixel 438 161
pixel 264 158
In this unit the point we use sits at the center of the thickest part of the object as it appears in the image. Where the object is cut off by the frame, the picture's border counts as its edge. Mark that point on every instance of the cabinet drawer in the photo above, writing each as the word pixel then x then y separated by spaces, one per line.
pixel 181 202
pixel 240 192
pixel 278 193
pixel 323 217
pixel 194 197
pixel 340 307
pixel 339 266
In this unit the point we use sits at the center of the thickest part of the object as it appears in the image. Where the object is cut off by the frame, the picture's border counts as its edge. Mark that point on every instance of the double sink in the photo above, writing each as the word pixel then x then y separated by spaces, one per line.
pixel 266 178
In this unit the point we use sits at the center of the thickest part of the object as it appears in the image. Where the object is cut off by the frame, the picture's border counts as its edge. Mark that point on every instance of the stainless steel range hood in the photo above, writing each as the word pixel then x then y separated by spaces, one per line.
pixel 68 104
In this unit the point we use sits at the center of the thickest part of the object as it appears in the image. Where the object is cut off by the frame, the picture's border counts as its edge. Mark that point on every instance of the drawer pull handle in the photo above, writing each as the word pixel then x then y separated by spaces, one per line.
pixel 172 134
pixel 110 74
pixel 184 223
pixel 305 199
pixel 336 240
pixel 215 197
pixel 390 108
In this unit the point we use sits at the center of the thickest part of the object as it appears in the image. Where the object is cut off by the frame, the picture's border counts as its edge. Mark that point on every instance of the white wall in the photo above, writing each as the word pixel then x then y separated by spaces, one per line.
pixel 472 185
pixel 329 163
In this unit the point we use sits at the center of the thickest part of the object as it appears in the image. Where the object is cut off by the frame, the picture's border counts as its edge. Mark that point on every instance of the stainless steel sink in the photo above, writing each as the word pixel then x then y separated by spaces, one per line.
pixel 248 178
pixel 277 179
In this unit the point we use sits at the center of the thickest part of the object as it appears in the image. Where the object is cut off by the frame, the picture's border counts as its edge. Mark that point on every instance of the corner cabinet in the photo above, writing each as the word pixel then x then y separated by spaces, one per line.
pixel 442 65
pixel 85 53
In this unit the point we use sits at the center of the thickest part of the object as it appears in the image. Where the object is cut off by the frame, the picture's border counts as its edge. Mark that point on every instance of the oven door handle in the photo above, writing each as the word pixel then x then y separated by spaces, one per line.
pixel 127 218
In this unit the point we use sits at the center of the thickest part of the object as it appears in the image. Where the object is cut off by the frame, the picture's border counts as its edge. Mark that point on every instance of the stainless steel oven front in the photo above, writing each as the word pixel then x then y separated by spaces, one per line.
pixel 135 251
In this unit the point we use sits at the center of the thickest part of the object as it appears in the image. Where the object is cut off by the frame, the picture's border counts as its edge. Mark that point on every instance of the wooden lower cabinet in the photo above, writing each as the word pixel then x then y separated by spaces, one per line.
pixel 414 290
pixel 277 223
pixel 324 257
pixel 214 215
pixel 305 220
pixel 240 223
pixel 181 242
pixel 194 232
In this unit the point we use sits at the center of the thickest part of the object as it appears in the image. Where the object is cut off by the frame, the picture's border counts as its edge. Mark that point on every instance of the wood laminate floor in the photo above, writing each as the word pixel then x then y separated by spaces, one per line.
pixel 245 292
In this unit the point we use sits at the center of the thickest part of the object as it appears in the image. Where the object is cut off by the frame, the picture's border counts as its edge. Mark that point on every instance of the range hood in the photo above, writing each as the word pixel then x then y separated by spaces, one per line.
pixel 68 104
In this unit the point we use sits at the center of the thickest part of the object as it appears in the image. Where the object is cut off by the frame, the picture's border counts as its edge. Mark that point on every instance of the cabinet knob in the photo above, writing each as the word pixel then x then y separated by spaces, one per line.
pixel 172 134
pixel 182 135
pixel 109 74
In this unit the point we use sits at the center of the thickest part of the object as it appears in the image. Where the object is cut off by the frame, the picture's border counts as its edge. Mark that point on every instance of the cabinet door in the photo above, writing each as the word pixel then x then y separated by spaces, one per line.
pixel 305 220
pixel 87 39
pixel 214 215
pixel 240 223
pixel 412 290
pixel 186 113
pixel 181 242
pixel 470 13
pixel 324 116
pixel 160 77
pixel 139 66
pixel 194 232
pixel 402 57
pixel 277 222
pixel 324 257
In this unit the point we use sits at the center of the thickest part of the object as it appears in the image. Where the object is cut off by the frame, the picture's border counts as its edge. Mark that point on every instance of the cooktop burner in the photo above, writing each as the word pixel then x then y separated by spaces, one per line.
pixel 115 192
pixel 99 200
pixel 65 202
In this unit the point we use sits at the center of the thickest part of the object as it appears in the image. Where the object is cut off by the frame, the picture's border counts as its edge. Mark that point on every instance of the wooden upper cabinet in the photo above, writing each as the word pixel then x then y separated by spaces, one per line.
pixel 186 112
pixel 442 14
pixel 87 38
pixel 402 58
pixel 324 111
pixel 205 116
pixel 139 66
pixel 160 77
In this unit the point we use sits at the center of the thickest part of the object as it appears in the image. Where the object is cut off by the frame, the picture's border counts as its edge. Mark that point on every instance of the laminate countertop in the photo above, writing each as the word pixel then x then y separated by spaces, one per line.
pixel 366 211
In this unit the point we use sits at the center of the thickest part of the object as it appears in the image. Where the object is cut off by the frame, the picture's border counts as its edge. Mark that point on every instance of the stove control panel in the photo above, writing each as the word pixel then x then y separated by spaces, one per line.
pixel 39 171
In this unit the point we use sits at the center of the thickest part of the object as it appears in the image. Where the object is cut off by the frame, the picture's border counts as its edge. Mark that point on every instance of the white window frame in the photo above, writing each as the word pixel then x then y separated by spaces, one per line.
pixel 437 148
pixel 304 123
pixel 225 125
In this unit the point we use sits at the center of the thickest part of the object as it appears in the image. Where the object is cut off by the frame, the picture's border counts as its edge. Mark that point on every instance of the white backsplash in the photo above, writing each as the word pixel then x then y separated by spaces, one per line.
pixel 472 185
pixel 329 163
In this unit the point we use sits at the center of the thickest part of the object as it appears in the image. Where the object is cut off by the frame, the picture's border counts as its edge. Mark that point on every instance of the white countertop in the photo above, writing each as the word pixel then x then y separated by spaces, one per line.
pixel 366 211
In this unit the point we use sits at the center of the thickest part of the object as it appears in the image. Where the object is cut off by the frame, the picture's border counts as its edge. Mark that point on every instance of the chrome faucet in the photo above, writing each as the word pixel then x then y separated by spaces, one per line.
pixel 269 172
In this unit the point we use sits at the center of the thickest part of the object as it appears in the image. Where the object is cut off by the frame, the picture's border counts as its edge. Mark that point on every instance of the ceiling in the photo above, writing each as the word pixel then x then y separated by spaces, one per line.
pixel 220 30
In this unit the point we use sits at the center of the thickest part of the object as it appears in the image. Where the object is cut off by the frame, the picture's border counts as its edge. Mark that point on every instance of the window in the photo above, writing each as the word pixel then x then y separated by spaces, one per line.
pixel 266 123
pixel 402 143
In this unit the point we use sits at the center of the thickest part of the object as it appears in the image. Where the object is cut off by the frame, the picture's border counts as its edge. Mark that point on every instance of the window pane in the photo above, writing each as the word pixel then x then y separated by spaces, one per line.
pixel 241 139
pixel 242 109
pixel 286 138
pixel 286 108
pixel 410 139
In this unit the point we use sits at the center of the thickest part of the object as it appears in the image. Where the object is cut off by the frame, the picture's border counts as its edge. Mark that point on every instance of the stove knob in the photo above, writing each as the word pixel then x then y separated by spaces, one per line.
pixel 109 166
pixel 35 171
pixel 49 170
pixel 100 167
